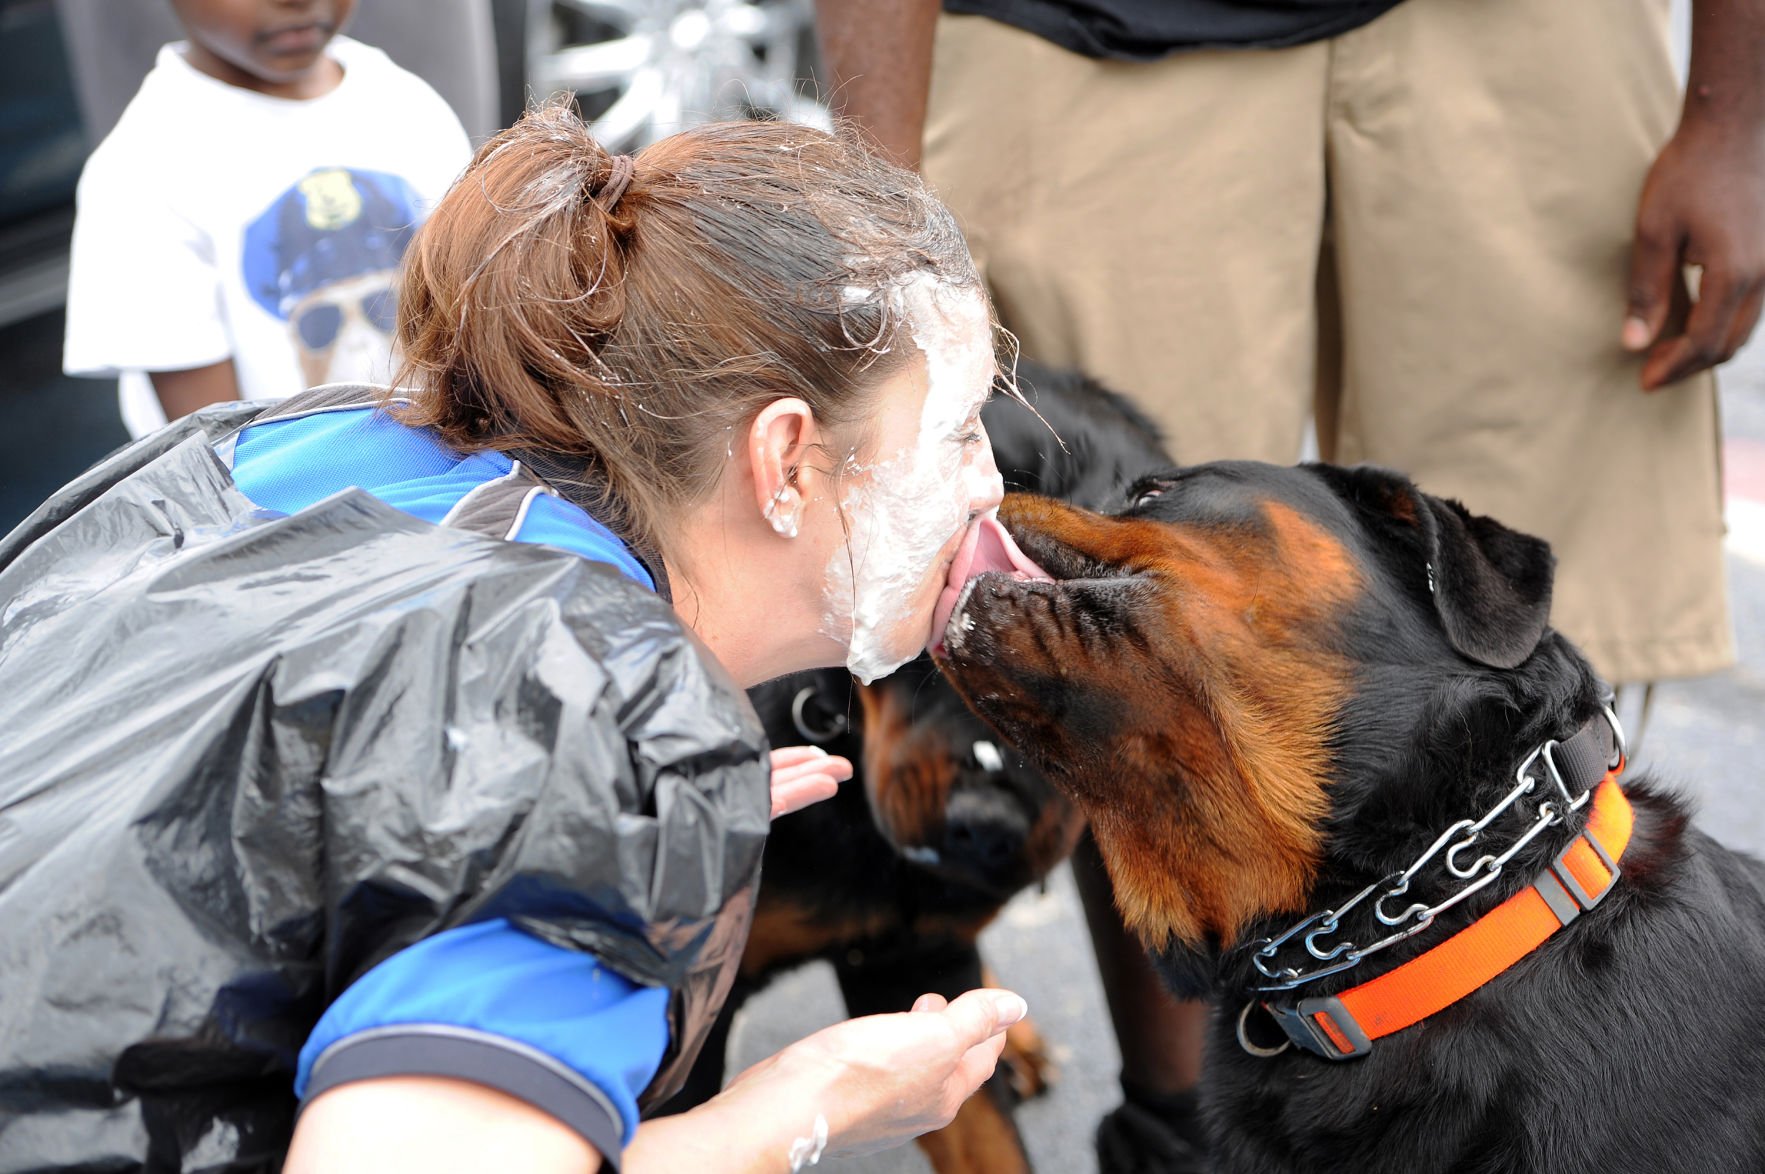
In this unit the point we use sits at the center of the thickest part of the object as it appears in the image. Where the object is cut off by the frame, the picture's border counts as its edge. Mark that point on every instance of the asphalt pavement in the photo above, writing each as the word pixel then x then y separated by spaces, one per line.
pixel 1702 737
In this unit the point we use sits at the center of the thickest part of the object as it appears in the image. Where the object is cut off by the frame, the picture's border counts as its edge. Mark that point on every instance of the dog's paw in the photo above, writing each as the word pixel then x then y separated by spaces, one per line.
pixel 1152 1138
pixel 1027 1065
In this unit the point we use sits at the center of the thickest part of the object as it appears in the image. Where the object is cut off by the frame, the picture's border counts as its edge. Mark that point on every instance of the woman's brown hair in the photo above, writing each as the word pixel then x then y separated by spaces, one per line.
pixel 637 335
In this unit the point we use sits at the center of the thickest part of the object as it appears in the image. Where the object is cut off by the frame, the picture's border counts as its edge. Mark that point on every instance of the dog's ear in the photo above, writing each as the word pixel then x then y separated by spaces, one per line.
pixel 1491 585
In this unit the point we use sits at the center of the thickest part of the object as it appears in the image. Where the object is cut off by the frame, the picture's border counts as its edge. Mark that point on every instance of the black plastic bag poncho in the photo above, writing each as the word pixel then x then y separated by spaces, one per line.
pixel 244 757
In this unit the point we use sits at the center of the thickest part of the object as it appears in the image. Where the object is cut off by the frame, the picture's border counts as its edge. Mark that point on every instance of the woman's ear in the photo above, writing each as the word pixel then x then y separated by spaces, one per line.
pixel 778 441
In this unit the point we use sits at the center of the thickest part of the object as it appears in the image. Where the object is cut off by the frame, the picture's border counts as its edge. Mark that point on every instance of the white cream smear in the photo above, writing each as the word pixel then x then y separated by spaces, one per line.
pixel 909 504
pixel 807 1151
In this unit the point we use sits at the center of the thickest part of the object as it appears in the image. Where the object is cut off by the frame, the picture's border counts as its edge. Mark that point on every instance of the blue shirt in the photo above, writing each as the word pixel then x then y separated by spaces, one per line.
pixel 483 1002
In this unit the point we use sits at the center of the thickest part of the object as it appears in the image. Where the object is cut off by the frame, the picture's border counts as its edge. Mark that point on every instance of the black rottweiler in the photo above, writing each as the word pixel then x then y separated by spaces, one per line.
pixel 892 880
pixel 1347 781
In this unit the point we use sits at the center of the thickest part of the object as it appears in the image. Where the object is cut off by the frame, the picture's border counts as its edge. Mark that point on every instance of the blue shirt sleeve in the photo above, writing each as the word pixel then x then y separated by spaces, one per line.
pixel 290 464
pixel 493 1005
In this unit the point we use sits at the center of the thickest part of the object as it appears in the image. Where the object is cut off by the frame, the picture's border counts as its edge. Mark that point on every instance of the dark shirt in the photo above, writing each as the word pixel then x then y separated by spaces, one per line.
pixel 1145 30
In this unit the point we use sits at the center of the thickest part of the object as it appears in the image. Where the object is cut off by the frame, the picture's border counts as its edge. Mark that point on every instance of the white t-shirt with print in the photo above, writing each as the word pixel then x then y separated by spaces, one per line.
pixel 216 222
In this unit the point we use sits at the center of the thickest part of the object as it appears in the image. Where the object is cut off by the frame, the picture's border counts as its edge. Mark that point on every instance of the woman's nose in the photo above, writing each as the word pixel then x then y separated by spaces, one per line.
pixel 988 487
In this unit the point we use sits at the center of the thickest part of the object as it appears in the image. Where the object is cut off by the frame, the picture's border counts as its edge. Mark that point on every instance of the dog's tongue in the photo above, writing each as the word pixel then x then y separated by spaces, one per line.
pixel 988 547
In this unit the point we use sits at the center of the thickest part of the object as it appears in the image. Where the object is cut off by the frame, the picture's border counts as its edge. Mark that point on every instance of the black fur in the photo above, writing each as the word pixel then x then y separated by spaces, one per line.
pixel 1617 1046
pixel 1631 1040
pixel 1082 443
pixel 839 861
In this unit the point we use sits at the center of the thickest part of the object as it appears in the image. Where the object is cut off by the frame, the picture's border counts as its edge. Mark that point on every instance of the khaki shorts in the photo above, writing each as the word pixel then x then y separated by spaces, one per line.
pixel 1422 226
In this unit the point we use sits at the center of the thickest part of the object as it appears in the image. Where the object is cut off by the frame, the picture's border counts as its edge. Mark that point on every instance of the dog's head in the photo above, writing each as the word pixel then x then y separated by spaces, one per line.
pixel 949 795
pixel 942 790
pixel 1254 667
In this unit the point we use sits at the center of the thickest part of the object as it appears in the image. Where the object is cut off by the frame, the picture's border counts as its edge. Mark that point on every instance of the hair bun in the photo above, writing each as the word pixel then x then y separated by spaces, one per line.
pixel 533 315
pixel 619 174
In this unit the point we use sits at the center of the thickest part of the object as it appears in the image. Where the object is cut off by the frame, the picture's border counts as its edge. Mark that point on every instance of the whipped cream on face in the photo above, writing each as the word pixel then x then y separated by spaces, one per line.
pixel 904 508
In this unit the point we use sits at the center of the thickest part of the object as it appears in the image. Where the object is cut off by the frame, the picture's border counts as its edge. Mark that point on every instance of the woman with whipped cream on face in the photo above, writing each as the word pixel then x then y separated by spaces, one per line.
pixel 752 361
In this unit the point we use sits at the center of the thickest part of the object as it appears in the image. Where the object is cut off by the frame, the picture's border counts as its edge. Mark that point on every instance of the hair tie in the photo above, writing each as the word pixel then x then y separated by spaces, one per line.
pixel 618 179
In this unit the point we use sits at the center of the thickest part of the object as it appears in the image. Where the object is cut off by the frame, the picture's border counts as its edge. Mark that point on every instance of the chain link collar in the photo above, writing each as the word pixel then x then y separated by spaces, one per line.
pixel 1552 807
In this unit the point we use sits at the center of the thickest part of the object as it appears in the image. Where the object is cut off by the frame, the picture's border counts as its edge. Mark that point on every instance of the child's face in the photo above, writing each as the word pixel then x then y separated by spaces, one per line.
pixel 275 41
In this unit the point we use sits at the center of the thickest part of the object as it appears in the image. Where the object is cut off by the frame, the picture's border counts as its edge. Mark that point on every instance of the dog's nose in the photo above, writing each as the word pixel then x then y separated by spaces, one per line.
pixel 982 828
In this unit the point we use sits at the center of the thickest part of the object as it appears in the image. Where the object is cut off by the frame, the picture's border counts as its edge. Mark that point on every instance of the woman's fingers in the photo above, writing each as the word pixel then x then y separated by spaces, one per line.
pixel 979 1020
pixel 787 756
pixel 827 766
pixel 882 1079
pixel 981 1014
pixel 801 793
pixel 977 1065
pixel 802 775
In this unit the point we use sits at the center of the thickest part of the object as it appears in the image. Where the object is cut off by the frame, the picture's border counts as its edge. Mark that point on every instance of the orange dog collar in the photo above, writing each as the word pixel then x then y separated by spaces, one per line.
pixel 1343 1026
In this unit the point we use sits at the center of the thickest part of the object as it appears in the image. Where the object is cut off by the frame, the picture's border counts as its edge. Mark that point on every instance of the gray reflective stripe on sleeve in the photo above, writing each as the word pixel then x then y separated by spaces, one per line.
pixel 226 448
pixel 479 1057
pixel 521 514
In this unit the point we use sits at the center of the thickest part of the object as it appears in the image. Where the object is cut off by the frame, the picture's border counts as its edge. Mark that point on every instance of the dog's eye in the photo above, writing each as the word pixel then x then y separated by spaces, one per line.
pixel 1147 488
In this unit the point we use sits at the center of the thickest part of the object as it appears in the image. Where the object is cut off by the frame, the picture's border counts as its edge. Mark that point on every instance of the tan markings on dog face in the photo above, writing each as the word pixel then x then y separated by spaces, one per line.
pixel 906 780
pixel 962 928
pixel 785 932
pixel 1207 794
pixel 1054 835
pixel 910 773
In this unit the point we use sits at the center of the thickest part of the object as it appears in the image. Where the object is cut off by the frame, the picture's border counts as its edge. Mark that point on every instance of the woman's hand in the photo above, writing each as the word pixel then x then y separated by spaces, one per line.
pixel 885 1079
pixel 863 1085
pixel 802 775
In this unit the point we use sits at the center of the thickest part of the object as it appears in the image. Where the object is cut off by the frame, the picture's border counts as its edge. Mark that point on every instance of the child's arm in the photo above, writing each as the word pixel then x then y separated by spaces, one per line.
pixel 143 290
pixel 182 392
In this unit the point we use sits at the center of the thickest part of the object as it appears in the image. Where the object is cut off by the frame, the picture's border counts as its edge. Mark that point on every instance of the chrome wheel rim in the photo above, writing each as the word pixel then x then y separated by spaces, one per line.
pixel 643 69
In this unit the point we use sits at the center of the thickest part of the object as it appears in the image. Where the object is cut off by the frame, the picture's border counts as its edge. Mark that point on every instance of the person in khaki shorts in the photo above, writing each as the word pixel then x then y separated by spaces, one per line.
pixel 1455 228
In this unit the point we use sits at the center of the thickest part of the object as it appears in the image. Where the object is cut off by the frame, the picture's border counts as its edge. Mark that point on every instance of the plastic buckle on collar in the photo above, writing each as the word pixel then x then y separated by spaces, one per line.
pixel 1563 891
pixel 1322 1027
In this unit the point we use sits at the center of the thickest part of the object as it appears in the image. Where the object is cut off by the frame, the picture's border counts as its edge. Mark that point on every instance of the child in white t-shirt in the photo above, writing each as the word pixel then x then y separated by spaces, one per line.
pixel 238 233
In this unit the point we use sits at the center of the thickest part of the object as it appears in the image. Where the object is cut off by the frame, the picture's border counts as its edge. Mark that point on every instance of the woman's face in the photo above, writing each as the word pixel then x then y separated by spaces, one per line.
pixel 924 478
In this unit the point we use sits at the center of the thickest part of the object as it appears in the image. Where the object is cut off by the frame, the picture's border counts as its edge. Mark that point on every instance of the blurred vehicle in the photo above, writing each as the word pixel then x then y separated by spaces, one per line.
pixel 641 69
pixel 43 144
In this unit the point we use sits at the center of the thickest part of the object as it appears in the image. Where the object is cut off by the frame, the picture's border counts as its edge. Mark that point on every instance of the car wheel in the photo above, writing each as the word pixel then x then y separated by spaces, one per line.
pixel 643 69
